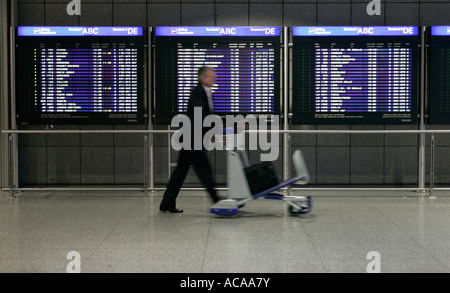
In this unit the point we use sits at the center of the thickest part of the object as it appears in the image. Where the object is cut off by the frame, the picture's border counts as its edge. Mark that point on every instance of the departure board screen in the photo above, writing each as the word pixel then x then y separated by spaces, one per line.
pixel 355 75
pixel 79 75
pixel 439 83
pixel 246 61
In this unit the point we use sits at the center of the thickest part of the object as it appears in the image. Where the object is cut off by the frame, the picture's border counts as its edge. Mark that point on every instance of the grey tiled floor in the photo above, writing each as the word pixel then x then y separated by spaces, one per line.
pixel 125 232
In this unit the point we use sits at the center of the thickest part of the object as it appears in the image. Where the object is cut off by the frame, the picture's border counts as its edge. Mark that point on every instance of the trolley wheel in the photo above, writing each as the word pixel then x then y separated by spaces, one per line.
pixel 303 210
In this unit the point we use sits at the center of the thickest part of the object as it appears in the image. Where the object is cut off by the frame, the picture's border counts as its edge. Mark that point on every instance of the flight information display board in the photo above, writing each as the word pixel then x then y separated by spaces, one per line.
pixel 246 61
pixel 79 75
pixel 439 83
pixel 355 75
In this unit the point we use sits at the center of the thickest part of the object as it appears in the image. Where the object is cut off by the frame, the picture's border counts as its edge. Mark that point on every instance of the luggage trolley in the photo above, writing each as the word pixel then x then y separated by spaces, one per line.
pixel 239 189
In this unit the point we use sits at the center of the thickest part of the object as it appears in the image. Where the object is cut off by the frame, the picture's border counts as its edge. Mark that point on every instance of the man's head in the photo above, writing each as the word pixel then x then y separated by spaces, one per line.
pixel 206 76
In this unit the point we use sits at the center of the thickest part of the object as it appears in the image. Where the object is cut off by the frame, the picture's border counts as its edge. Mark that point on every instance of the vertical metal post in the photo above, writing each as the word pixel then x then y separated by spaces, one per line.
pixel 11 165
pixel 432 168
pixel 169 157
pixel 421 159
pixel 151 164
pixel 285 102
pixel 3 89
pixel 13 125
pixel 146 168
pixel 12 143
pixel 151 175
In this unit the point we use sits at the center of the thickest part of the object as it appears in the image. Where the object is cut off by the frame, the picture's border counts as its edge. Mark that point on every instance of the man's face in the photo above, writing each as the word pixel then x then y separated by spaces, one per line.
pixel 209 79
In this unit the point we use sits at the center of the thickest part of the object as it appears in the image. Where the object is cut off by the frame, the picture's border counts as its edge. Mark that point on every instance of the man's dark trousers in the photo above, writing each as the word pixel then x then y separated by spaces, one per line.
pixel 199 160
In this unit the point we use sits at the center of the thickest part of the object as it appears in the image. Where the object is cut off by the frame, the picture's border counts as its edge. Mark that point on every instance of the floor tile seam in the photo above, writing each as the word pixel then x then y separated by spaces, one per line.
pixel 313 245
pixel 112 230
pixel 206 247
pixel 321 256
pixel 431 255
pixel 30 221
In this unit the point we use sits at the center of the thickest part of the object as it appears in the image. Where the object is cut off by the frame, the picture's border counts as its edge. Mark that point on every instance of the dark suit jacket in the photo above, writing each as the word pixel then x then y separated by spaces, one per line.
pixel 198 98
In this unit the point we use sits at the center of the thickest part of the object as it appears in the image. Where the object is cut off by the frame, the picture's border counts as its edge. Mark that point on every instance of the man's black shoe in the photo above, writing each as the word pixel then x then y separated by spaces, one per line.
pixel 173 211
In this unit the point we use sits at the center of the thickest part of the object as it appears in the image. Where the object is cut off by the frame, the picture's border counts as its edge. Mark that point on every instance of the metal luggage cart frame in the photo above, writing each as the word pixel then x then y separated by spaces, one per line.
pixel 239 190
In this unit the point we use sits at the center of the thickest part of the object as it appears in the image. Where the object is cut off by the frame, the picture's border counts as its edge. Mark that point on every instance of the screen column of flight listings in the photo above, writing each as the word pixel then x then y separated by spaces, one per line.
pixel 355 75
pixel 80 74
pixel 439 78
pixel 246 61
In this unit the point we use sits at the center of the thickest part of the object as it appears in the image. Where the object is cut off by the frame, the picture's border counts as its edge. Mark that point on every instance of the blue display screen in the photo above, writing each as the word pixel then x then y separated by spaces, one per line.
pixel 80 75
pixel 355 31
pixel 440 30
pixel 439 76
pixel 355 75
pixel 206 31
pixel 246 61
pixel 64 31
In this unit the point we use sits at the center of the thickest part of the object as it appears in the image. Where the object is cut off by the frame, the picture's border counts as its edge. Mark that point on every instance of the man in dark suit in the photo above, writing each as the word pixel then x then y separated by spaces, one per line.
pixel 200 97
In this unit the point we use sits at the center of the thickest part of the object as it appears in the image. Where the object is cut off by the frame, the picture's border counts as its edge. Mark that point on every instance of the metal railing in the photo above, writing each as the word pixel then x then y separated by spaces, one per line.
pixel 148 173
